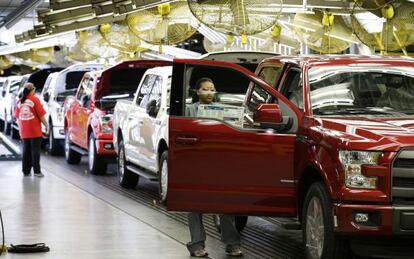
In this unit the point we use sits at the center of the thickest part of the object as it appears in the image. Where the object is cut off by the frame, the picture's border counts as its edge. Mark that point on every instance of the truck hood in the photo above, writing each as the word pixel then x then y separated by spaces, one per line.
pixel 370 133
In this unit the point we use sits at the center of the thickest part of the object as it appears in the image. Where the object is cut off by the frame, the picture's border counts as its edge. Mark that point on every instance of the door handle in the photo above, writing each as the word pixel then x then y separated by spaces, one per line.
pixel 186 140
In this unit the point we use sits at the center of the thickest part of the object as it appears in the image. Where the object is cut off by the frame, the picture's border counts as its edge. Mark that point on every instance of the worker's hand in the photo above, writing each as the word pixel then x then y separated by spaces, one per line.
pixel 47 129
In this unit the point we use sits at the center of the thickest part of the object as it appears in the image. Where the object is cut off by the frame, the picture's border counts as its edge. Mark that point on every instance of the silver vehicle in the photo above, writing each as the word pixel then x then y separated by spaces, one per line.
pixel 10 85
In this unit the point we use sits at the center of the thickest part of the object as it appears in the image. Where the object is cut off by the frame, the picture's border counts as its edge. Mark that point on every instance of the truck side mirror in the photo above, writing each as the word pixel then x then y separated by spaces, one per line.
pixel 152 108
pixel 46 97
pixel 268 113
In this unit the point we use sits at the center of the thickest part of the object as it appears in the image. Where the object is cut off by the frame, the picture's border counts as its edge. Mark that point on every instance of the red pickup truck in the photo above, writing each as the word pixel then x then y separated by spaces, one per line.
pixel 88 114
pixel 328 140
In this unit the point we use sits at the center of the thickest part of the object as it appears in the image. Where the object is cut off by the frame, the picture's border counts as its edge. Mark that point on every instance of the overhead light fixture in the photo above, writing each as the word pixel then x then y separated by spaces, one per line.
pixel 19 13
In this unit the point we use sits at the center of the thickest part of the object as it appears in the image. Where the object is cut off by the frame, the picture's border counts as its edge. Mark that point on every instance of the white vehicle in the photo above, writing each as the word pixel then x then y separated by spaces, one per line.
pixel 57 87
pixel 6 98
pixel 141 131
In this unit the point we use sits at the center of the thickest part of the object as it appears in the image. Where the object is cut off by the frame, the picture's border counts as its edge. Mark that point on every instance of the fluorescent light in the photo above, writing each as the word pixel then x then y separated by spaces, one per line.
pixel 298 26
pixel 341 38
pixel 370 22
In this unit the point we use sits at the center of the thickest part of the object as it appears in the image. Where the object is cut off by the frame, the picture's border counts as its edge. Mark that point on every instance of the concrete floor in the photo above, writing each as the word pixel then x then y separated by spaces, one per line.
pixel 79 219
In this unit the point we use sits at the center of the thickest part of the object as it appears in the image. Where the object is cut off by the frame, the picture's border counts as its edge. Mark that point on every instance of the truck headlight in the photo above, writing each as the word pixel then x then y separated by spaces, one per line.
pixel 352 162
pixel 106 123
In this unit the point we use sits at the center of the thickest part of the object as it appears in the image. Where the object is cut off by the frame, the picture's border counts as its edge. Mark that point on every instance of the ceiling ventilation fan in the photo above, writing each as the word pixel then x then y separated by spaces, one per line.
pixel 118 36
pixel 323 32
pixel 5 63
pixel 92 43
pixel 165 24
pixel 384 27
pixel 237 17
pixel 35 57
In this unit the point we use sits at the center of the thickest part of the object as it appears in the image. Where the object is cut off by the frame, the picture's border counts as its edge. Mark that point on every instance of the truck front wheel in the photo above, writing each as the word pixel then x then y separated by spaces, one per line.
pixel 71 156
pixel 163 177
pixel 96 163
pixel 127 179
pixel 318 228
pixel 54 145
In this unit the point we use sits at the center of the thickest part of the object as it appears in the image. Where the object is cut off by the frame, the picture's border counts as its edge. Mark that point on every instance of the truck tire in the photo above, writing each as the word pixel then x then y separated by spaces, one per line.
pixel 127 179
pixel 239 221
pixel 15 133
pixel 54 145
pixel 7 128
pixel 163 177
pixel 96 163
pixel 318 227
pixel 71 156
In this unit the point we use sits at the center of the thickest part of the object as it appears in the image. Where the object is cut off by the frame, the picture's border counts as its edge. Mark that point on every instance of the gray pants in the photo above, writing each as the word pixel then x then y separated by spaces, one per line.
pixel 229 234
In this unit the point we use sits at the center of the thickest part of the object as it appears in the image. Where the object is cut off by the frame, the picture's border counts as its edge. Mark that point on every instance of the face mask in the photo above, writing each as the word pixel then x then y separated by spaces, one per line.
pixel 206 91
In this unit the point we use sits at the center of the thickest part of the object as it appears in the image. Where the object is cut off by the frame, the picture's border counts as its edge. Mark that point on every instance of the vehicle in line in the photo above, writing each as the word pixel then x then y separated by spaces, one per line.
pixel 88 114
pixel 6 98
pixel 325 140
pixel 141 131
pixel 57 87
pixel 38 79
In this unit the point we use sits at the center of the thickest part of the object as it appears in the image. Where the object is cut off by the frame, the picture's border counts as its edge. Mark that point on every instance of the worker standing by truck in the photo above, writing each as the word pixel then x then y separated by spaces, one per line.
pixel 30 115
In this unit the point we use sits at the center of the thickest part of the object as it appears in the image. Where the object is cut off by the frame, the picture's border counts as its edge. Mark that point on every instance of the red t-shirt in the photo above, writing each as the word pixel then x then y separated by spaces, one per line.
pixel 28 116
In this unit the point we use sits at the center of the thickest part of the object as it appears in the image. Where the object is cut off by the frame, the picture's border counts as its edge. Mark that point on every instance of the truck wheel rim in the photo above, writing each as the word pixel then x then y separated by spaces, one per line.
pixel 91 154
pixel 50 140
pixel 121 169
pixel 66 146
pixel 164 180
pixel 315 228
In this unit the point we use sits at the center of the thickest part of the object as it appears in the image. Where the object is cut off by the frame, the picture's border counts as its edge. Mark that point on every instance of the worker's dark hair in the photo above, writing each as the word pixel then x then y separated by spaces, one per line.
pixel 202 80
pixel 28 87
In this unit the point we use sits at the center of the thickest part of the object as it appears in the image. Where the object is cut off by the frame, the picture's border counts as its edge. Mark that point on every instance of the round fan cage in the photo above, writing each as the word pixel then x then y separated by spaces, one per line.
pixel 332 37
pixel 237 17
pixel 76 53
pixel 393 31
pixel 120 37
pixel 92 43
pixel 5 63
pixel 165 24
pixel 34 57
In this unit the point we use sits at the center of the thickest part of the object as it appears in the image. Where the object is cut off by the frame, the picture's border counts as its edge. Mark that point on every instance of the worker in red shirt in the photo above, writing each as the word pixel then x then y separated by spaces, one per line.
pixel 30 114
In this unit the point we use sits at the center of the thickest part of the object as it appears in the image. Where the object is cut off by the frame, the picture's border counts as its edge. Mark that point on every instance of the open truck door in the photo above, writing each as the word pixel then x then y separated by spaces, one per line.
pixel 234 155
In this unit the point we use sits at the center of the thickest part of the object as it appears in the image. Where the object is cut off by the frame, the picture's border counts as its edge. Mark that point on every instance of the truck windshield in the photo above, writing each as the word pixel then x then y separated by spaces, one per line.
pixel 376 90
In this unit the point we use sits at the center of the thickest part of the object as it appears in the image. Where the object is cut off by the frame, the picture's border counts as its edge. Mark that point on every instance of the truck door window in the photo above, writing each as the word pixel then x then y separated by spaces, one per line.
pixel 82 88
pixel 270 74
pixel 292 88
pixel 145 91
pixel 85 92
pixel 156 90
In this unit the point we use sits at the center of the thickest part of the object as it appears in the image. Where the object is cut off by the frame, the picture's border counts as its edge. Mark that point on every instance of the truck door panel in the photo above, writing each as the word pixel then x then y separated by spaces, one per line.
pixel 149 128
pixel 218 165
pixel 136 119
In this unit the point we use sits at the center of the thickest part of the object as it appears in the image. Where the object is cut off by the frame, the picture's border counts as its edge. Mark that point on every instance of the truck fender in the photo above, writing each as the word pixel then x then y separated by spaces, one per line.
pixel 311 169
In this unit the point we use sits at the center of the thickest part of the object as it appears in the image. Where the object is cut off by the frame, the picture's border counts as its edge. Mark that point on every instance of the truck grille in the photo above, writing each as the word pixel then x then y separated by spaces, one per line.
pixel 403 177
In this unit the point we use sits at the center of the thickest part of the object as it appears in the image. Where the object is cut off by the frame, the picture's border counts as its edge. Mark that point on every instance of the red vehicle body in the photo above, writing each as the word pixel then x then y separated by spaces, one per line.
pixel 88 114
pixel 353 165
